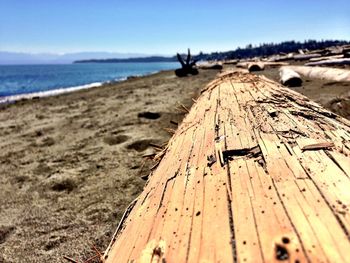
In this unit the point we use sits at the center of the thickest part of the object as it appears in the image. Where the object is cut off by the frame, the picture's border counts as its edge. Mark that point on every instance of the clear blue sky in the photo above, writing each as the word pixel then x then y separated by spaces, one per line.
pixel 164 27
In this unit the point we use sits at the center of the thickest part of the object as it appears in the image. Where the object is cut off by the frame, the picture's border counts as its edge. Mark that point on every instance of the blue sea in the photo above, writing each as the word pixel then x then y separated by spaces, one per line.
pixel 25 81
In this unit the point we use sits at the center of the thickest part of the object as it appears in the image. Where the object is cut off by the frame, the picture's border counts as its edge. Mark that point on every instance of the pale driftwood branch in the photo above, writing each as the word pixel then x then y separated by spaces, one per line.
pixel 278 58
pixel 325 58
pixel 274 64
pixel 305 56
pixel 330 62
pixel 254 173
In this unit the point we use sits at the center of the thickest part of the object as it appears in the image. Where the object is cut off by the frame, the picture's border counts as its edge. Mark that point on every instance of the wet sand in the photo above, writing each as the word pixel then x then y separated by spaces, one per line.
pixel 71 164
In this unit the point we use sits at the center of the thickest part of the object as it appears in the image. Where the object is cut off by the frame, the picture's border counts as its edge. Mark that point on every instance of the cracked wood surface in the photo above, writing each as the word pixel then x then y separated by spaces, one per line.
pixel 255 173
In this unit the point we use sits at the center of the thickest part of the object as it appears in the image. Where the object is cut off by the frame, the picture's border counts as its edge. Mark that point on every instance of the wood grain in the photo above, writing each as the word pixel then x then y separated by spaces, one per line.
pixel 255 173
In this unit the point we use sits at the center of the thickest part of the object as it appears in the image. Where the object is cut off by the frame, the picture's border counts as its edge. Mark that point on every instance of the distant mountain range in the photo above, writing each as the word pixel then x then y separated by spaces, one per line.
pixel 131 60
pixel 11 58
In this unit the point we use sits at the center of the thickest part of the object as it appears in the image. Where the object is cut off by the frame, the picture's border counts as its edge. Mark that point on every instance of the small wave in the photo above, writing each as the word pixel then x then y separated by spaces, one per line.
pixel 47 93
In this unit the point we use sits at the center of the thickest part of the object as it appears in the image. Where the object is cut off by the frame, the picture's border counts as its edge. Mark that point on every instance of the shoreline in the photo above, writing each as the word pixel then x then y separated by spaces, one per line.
pixel 54 92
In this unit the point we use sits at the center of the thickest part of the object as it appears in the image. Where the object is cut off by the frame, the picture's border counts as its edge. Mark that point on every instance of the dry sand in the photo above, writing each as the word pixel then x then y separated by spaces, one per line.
pixel 71 164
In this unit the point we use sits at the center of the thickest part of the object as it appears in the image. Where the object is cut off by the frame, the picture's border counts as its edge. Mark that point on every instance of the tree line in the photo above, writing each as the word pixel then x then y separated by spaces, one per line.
pixel 268 49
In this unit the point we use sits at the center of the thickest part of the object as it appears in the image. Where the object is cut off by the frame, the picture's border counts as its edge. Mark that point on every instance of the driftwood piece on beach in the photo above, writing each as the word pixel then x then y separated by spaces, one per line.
pixel 255 66
pixel 325 73
pixel 232 71
pixel 289 77
pixel 260 65
pixel 325 58
pixel 231 62
pixel 187 67
pixel 331 51
pixel 236 183
pixel 210 65
pixel 242 64
pixel 278 58
pixel 274 64
pixel 251 65
pixel 330 62
pixel 306 56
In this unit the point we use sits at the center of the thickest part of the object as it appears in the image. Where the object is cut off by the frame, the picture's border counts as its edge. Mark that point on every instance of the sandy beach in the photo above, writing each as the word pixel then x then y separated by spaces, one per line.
pixel 71 164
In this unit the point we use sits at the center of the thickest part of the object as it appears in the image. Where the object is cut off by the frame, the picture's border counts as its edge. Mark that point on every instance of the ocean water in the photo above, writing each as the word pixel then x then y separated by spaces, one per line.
pixel 25 81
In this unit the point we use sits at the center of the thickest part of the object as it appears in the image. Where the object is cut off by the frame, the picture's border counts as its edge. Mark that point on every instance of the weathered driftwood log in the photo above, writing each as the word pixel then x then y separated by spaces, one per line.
pixel 332 50
pixel 255 66
pixel 305 56
pixel 232 71
pixel 325 58
pixel 336 50
pixel 274 64
pixel 231 62
pixel 289 77
pixel 277 58
pixel 325 73
pixel 319 51
pixel 242 64
pixel 330 62
pixel 255 173
pixel 210 65
pixel 260 65
pixel 346 51
pixel 187 67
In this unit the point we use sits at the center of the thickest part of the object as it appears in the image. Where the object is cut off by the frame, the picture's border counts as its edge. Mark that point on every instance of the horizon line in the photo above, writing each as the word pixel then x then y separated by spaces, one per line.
pixel 165 54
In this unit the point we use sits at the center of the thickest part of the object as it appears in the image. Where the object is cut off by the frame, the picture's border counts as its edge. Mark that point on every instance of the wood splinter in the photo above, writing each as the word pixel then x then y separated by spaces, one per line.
pixel 317 146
